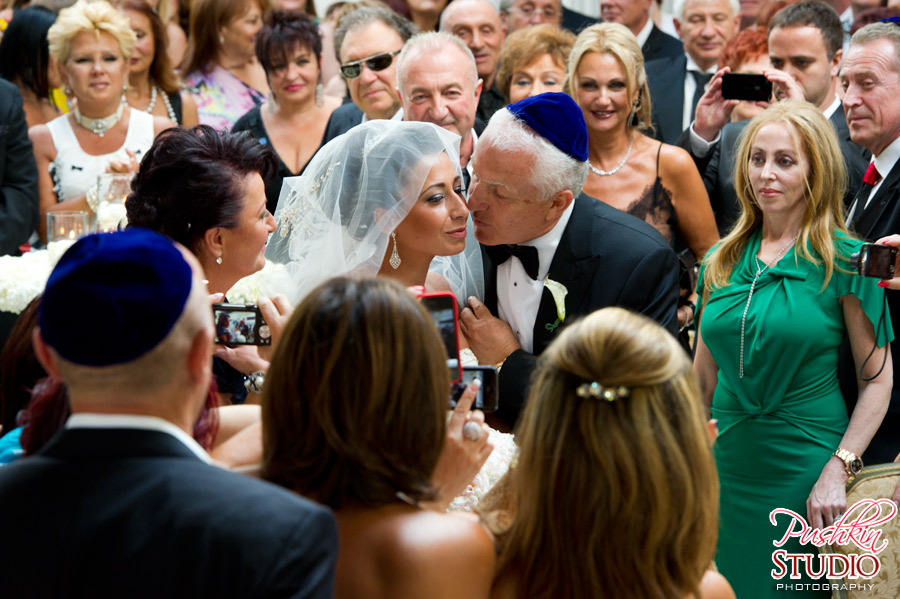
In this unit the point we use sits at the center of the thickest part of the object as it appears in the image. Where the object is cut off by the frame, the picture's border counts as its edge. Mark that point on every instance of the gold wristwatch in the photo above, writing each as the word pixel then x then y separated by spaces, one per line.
pixel 852 463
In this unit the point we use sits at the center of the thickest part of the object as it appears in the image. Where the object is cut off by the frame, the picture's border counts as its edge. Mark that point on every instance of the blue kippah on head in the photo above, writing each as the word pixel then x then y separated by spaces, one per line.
pixel 558 119
pixel 114 296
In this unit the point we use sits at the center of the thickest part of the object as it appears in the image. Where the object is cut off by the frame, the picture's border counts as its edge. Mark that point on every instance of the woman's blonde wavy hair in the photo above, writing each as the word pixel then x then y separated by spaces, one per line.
pixel 617 40
pixel 612 498
pixel 825 182
pixel 98 17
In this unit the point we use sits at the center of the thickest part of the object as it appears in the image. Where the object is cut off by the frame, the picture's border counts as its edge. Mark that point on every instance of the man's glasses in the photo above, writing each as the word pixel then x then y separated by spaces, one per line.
pixel 376 62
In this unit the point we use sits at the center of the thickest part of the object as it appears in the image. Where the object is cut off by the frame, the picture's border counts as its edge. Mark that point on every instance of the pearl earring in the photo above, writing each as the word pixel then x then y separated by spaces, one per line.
pixel 218 259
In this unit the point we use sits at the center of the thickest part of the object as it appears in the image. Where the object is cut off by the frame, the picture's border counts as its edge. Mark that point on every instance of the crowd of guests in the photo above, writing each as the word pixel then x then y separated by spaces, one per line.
pixel 650 268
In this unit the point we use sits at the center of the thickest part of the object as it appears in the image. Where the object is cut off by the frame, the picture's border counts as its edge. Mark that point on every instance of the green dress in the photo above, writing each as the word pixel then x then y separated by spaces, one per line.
pixel 780 423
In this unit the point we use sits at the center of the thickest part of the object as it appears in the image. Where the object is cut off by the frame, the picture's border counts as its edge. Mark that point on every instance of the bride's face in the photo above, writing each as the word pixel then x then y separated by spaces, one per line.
pixel 436 224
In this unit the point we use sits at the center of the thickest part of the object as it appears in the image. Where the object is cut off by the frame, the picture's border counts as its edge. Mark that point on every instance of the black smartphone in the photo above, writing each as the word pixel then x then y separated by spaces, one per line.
pixel 746 86
pixel 443 309
pixel 240 324
pixel 875 260
pixel 488 396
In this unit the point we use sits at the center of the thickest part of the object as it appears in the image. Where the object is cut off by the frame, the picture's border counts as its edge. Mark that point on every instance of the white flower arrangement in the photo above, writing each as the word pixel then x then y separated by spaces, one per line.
pixel 23 278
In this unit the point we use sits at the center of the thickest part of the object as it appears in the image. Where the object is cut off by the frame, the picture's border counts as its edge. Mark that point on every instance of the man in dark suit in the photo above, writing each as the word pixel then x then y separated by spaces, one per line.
pixel 805 45
pixel 677 82
pixel 367 43
pixel 870 76
pixel 18 173
pixel 572 253
pixel 123 502
pixel 635 14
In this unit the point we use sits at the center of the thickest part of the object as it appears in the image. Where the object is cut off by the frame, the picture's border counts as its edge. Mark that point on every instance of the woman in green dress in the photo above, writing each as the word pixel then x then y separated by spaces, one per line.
pixel 777 297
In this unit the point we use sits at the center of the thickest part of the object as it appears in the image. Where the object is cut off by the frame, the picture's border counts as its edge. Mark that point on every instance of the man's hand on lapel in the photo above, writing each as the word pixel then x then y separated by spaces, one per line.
pixel 491 339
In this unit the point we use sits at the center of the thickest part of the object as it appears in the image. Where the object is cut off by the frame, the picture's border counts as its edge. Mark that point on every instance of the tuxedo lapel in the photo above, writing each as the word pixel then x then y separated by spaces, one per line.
pixel 573 266
pixel 884 197
pixel 490 282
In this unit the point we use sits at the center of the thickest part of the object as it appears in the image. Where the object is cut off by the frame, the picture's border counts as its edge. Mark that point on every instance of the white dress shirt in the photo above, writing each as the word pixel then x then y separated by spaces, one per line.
pixel 147 423
pixel 518 295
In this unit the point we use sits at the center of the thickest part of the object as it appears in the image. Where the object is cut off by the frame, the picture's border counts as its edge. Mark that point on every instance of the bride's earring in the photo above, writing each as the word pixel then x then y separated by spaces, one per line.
pixel 395 257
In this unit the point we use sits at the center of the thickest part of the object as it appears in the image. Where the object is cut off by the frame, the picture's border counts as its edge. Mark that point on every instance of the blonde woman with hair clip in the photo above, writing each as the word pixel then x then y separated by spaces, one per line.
pixel 655 182
pixel 614 444
pixel 92 44
pixel 778 297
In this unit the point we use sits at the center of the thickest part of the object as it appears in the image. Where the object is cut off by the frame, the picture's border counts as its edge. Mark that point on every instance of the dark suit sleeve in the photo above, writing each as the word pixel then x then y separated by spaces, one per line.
pixel 514 382
pixel 305 566
pixel 652 288
pixel 18 174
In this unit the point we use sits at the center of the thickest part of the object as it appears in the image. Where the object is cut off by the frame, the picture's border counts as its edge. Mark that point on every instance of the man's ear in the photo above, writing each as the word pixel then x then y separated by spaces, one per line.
pixel 836 62
pixel 558 204
pixel 198 358
pixel 478 90
pixel 43 353
pixel 677 25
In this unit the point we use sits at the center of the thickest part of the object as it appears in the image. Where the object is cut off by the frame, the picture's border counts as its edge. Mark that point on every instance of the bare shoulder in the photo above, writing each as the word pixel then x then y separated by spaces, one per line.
pixel 449 556
pixel 42 141
pixel 674 160
pixel 161 123
pixel 714 586
pixel 189 116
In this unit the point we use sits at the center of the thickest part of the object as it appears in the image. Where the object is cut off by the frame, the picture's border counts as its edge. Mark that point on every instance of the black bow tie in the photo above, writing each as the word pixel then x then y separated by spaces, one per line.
pixel 527 255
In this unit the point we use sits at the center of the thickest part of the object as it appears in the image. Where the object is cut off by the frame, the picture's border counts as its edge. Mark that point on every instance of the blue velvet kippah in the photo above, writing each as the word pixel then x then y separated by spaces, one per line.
pixel 113 297
pixel 558 119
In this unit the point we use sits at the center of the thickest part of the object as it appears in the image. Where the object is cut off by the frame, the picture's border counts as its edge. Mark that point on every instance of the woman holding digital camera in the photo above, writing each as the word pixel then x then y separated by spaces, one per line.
pixel 777 298
pixel 218 211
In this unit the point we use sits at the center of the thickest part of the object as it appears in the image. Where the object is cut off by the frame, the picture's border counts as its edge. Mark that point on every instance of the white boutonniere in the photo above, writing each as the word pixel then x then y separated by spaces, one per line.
pixel 559 292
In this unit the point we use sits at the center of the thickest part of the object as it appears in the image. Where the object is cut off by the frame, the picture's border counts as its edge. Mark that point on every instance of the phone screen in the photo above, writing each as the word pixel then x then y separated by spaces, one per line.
pixel 442 308
pixel 487 398
pixel 746 86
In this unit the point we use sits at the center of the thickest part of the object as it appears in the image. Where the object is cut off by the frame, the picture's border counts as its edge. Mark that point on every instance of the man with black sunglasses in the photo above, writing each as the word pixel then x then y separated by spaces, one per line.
pixel 367 43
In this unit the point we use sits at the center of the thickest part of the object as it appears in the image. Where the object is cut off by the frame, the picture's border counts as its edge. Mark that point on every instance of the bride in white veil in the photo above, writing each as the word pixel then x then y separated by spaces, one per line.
pixel 342 215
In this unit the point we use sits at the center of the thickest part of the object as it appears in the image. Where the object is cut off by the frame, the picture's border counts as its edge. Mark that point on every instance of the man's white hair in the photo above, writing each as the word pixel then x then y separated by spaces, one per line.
pixel 553 170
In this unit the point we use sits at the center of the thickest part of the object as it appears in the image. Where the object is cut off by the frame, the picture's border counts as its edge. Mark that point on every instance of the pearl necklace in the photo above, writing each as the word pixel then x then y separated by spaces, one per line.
pixel 154 91
pixel 102 125
pixel 604 173
pixel 759 271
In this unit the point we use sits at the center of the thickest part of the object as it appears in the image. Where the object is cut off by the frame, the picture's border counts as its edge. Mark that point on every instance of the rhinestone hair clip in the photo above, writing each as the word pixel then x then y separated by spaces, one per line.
pixel 598 391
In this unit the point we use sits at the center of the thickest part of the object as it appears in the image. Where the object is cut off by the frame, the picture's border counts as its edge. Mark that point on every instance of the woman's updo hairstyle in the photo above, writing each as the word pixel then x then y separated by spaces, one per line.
pixel 192 180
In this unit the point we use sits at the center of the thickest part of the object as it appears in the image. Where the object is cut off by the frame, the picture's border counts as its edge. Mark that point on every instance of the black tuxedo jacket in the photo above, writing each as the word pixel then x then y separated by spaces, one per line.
pixel 661 45
pixel 665 77
pixel 717 167
pixel 881 218
pixel 134 513
pixel 18 173
pixel 605 258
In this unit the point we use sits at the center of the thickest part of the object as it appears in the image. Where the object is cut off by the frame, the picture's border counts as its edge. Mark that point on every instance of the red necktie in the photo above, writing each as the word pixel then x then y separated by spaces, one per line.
pixel 872 177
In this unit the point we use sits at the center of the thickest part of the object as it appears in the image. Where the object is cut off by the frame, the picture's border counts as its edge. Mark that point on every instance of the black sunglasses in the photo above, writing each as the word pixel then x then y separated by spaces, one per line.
pixel 376 62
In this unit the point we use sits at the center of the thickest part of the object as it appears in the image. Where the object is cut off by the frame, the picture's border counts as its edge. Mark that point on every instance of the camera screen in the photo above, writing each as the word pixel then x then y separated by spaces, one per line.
pixel 442 312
